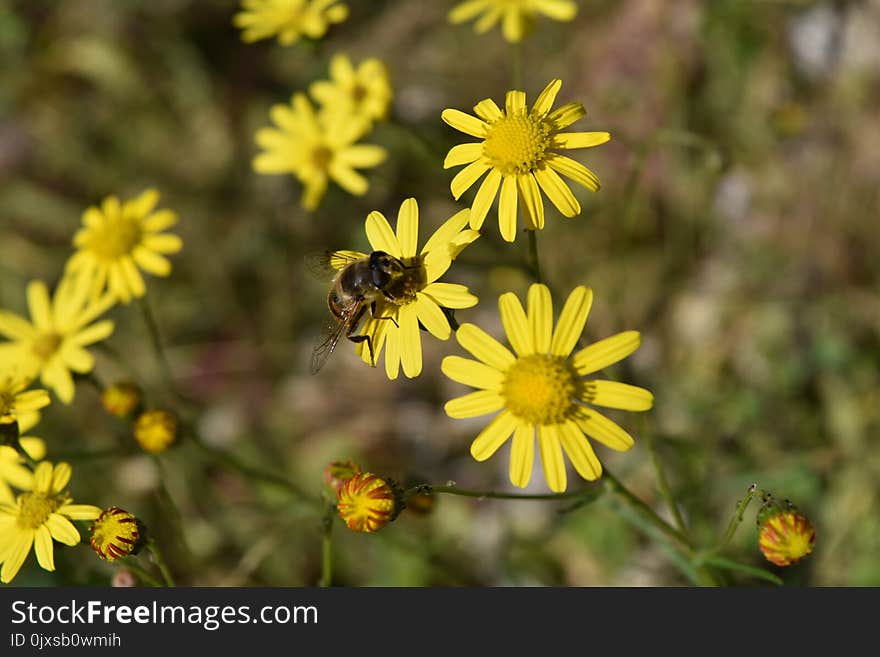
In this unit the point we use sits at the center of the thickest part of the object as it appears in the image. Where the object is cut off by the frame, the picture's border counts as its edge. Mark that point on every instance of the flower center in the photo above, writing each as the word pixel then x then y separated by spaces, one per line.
pixel 539 389
pixel 116 239
pixel 517 143
pixel 321 157
pixel 358 93
pixel 34 509
pixel 7 406
pixel 46 345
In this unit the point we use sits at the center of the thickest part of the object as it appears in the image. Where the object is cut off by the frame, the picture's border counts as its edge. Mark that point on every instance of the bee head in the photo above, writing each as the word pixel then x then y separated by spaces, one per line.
pixel 384 268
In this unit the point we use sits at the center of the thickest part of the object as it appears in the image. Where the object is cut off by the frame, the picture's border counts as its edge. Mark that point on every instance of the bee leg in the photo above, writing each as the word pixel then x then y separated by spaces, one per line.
pixel 357 339
pixel 450 316
pixel 373 313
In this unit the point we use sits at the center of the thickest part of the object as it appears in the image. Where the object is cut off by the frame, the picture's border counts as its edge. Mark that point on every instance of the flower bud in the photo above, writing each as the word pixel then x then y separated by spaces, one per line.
pixel 338 472
pixel 155 430
pixel 367 503
pixel 784 535
pixel 421 504
pixel 115 534
pixel 121 399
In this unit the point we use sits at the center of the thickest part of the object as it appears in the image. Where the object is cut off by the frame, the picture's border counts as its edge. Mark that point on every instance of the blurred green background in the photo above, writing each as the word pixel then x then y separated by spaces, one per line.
pixel 737 229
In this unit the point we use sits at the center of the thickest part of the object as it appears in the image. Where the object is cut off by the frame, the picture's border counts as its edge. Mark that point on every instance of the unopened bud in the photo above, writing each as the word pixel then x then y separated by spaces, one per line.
pixel 155 430
pixel 121 399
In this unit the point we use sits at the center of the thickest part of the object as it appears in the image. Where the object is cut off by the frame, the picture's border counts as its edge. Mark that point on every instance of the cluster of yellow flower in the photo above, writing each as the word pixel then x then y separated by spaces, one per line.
pixel 115 244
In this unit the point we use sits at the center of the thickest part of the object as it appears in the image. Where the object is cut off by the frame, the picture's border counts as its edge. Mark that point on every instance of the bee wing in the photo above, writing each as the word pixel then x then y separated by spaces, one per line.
pixel 326 264
pixel 333 330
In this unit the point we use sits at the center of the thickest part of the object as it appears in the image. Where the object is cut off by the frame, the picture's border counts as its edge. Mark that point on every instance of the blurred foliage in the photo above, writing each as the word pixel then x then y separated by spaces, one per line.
pixel 737 229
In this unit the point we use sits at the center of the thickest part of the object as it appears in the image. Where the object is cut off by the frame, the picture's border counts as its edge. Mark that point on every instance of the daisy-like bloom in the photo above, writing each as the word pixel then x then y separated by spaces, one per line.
pixel 121 399
pixel 784 535
pixel 118 240
pixel 115 534
pixel 542 388
pixel 517 150
pixel 288 19
pixel 53 343
pixel 37 517
pixel 18 404
pixel 396 323
pixel 315 151
pixel 517 16
pixel 12 469
pixel 367 503
pixel 156 430
pixel 360 94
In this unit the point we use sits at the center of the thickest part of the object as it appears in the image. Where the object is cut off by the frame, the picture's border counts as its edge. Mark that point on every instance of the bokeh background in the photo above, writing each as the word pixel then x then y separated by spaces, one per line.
pixel 737 229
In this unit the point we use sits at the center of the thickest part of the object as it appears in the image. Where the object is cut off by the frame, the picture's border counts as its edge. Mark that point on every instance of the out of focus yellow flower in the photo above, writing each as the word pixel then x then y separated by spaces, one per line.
pixel 118 240
pixel 18 404
pixel 115 534
pixel 289 20
pixel 422 302
pixel 53 343
pixel 367 503
pixel 156 430
pixel 37 517
pixel 517 16
pixel 784 535
pixel 338 472
pixel 13 471
pixel 315 151
pixel 516 149
pixel 121 399
pixel 541 388
pixel 360 94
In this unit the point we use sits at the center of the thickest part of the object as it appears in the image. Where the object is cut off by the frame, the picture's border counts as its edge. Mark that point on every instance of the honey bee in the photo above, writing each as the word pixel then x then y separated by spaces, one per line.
pixel 359 283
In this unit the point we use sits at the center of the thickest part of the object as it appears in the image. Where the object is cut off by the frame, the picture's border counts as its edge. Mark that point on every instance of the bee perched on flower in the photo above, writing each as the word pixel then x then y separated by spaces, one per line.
pixel 542 387
pixel 517 16
pixel 399 285
pixel 316 149
pixel 290 20
pixel 52 345
pixel 517 150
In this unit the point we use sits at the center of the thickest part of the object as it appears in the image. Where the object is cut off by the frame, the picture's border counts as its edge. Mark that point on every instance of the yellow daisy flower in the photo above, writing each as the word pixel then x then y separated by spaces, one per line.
pixel 396 325
pixel 542 388
pixel 53 343
pixel 20 405
pixel 362 93
pixel 517 152
pixel 517 16
pixel 119 238
pixel 288 19
pixel 39 516
pixel 13 472
pixel 315 151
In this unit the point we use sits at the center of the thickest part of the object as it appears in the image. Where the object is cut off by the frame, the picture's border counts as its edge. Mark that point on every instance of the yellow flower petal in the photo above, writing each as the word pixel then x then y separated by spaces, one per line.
pixel 472 373
pixel 574 170
pixel 38 304
pixel 43 548
pixel 551 457
pixel 15 554
pixel 516 326
pixel 579 451
pixel 431 317
pixel 163 243
pixel 483 200
pixel 159 221
pixel 560 10
pixel 463 154
pixel 380 235
pixel 557 191
pixel 408 228
pixel 612 394
pixel 546 98
pixel 442 237
pixel 80 511
pixel 493 436
pixel 580 139
pixel 514 27
pixel 78 359
pixel 15 327
pixel 571 321
pixel 94 333
pixel 43 477
pixel 522 455
pixel 484 347
pixel 151 262
pixel 450 295
pixel 392 352
pixel 62 529
pixel 465 123
pixel 540 317
pixel 61 477
pixel 410 341
pixel 474 404
pixel 31 400
pixel 56 376
pixel 487 110
pixel 467 177
pixel 533 205
pixel 507 209
pixel 515 102
pixel 566 115
pixel 600 428
pixel 606 352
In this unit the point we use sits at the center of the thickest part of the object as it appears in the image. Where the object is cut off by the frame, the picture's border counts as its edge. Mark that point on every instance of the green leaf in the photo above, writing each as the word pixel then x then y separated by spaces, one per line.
pixel 760 573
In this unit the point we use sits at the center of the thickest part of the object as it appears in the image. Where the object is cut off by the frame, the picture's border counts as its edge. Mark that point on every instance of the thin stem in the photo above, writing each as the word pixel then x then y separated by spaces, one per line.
pixel 159 560
pixel 737 518
pixel 327 547
pixel 463 492
pixel 142 573
pixel 156 341
pixel 663 485
pixel 535 263
pixel 516 66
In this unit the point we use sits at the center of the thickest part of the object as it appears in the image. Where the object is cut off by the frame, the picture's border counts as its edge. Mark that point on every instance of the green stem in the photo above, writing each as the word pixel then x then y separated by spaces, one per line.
pixel 159 560
pixel 142 573
pixel 737 518
pixel 516 66
pixel 463 492
pixel 533 256
pixel 327 547
pixel 663 485
pixel 156 341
